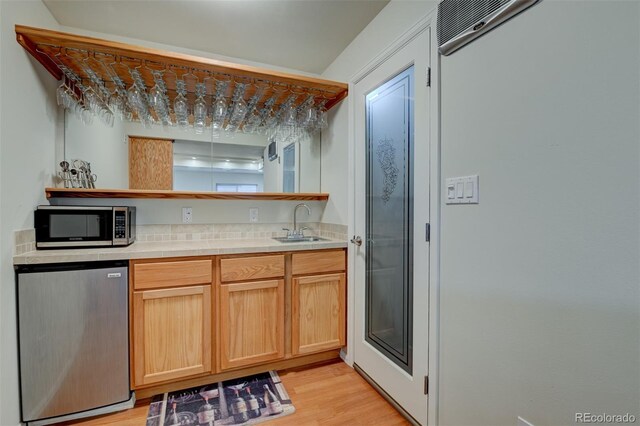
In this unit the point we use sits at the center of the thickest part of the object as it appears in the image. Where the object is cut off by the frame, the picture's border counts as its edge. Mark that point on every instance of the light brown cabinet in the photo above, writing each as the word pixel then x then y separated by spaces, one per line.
pixel 251 323
pixel 318 301
pixel 199 319
pixel 171 334
pixel 171 324
pixel 318 313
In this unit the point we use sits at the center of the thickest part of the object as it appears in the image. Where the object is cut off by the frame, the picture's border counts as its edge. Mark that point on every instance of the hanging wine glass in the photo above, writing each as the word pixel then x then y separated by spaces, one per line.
pixel 238 111
pixel 180 106
pixel 219 108
pixel 290 116
pixel 252 117
pixel 158 99
pixel 308 115
pixel 251 125
pixel 219 112
pixel 322 121
pixel 200 109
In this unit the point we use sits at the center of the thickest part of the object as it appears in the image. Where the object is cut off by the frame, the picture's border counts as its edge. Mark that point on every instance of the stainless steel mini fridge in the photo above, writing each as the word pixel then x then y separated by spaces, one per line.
pixel 73 340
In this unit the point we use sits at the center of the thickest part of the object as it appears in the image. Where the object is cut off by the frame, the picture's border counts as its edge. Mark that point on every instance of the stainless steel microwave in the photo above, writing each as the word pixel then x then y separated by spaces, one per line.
pixel 84 226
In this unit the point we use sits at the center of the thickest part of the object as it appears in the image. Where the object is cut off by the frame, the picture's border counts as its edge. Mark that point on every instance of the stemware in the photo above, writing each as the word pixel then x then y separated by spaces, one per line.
pixel 238 109
pixel 200 109
pixel 251 125
pixel 219 108
pixel 180 106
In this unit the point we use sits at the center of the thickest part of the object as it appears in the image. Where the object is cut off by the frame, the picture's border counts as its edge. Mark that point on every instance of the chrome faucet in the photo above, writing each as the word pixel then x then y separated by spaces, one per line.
pixel 297 232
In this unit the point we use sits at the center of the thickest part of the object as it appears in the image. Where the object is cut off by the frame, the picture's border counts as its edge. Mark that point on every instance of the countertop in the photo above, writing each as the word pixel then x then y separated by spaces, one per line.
pixel 149 249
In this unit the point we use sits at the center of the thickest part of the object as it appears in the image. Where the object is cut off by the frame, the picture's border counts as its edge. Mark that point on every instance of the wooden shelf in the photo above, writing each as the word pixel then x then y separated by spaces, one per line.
pixel 112 63
pixel 167 195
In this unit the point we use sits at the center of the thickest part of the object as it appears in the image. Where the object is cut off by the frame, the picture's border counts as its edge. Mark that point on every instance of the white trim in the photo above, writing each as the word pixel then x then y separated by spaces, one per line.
pixel 395 46
pixel 429 20
pixel 433 362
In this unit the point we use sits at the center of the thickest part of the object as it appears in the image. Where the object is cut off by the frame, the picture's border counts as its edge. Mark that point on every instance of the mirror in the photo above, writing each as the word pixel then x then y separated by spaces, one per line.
pixel 241 163
pixel 220 167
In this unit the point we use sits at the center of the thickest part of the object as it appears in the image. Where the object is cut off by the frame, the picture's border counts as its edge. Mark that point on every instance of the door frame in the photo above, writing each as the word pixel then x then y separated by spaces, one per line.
pixel 427 23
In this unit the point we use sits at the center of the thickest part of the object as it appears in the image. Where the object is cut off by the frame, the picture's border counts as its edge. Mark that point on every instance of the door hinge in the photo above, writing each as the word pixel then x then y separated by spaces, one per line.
pixel 428 76
pixel 427 232
pixel 426 385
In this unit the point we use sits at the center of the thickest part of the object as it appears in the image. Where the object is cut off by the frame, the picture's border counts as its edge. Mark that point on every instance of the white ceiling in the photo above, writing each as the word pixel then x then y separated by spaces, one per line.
pixel 305 35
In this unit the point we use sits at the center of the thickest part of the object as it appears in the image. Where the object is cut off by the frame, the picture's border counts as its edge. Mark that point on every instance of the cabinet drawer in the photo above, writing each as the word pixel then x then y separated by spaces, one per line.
pixel 319 261
pixel 172 274
pixel 248 268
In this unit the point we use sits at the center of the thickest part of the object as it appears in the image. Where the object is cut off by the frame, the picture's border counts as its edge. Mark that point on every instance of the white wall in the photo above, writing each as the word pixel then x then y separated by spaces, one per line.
pixel 395 19
pixel 310 164
pixel 539 291
pixel 27 163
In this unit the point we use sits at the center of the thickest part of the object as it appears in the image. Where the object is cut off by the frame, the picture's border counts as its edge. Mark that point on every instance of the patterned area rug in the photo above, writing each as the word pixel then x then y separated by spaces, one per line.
pixel 247 401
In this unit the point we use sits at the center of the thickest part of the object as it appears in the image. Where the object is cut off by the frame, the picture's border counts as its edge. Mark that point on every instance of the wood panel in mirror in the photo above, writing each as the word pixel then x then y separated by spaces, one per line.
pixel 150 163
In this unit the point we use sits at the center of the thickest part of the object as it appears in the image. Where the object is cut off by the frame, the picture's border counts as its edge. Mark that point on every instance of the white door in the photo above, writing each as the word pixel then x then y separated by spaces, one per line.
pixel 391 212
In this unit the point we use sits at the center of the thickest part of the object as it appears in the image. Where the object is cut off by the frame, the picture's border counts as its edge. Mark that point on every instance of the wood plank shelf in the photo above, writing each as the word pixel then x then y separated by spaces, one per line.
pixel 167 195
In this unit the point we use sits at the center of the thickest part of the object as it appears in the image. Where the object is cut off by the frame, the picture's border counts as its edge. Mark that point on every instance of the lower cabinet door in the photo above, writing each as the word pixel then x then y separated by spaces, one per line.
pixel 171 334
pixel 318 313
pixel 251 323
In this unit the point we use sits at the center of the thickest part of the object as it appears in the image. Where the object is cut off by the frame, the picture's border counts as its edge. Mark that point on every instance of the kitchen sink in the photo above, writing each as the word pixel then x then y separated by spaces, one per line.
pixel 299 239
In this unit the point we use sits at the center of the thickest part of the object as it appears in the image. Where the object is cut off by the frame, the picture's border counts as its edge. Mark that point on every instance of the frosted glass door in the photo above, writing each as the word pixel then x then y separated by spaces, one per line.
pixel 389 223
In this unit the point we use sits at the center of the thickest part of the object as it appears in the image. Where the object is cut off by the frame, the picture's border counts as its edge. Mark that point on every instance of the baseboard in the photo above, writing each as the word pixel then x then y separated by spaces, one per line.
pixel 385 395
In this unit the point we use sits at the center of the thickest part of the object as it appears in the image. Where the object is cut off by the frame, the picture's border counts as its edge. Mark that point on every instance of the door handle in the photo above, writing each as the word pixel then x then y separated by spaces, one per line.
pixel 356 240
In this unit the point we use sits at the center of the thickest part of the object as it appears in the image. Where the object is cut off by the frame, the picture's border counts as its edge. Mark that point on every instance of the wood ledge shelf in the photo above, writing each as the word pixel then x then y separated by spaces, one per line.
pixel 169 195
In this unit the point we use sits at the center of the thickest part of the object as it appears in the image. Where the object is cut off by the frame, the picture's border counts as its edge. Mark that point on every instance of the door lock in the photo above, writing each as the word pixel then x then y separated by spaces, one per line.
pixel 356 240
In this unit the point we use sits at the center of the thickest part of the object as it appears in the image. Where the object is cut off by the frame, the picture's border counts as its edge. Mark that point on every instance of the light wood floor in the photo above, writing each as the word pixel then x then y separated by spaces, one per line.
pixel 330 394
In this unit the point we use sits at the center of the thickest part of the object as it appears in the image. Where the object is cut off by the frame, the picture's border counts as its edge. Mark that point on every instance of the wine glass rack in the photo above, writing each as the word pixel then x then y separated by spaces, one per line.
pixel 105 69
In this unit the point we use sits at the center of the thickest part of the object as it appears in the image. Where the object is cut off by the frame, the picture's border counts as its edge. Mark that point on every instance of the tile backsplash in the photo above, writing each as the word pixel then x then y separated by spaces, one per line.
pixel 25 239
pixel 227 231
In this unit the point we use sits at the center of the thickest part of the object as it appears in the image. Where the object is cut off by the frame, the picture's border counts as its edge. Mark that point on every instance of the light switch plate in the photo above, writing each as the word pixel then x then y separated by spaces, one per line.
pixel 253 214
pixel 462 190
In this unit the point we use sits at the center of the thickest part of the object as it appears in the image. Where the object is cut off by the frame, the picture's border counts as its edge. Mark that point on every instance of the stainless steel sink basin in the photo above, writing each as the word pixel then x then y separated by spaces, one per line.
pixel 299 239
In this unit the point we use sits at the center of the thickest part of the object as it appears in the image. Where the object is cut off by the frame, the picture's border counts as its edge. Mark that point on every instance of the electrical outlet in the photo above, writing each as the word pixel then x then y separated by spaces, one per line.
pixel 187 215
pixel 253 214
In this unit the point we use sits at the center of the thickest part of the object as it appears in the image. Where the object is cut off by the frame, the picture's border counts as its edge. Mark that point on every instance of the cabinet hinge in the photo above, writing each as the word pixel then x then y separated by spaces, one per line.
pixel 427 232
pixel 426 385
pixel 428 76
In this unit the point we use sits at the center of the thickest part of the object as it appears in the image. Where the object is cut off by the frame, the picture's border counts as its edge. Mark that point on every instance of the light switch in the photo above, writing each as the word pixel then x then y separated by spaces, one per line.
pixel 451 191
pixel 462 190
pixel 468 189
